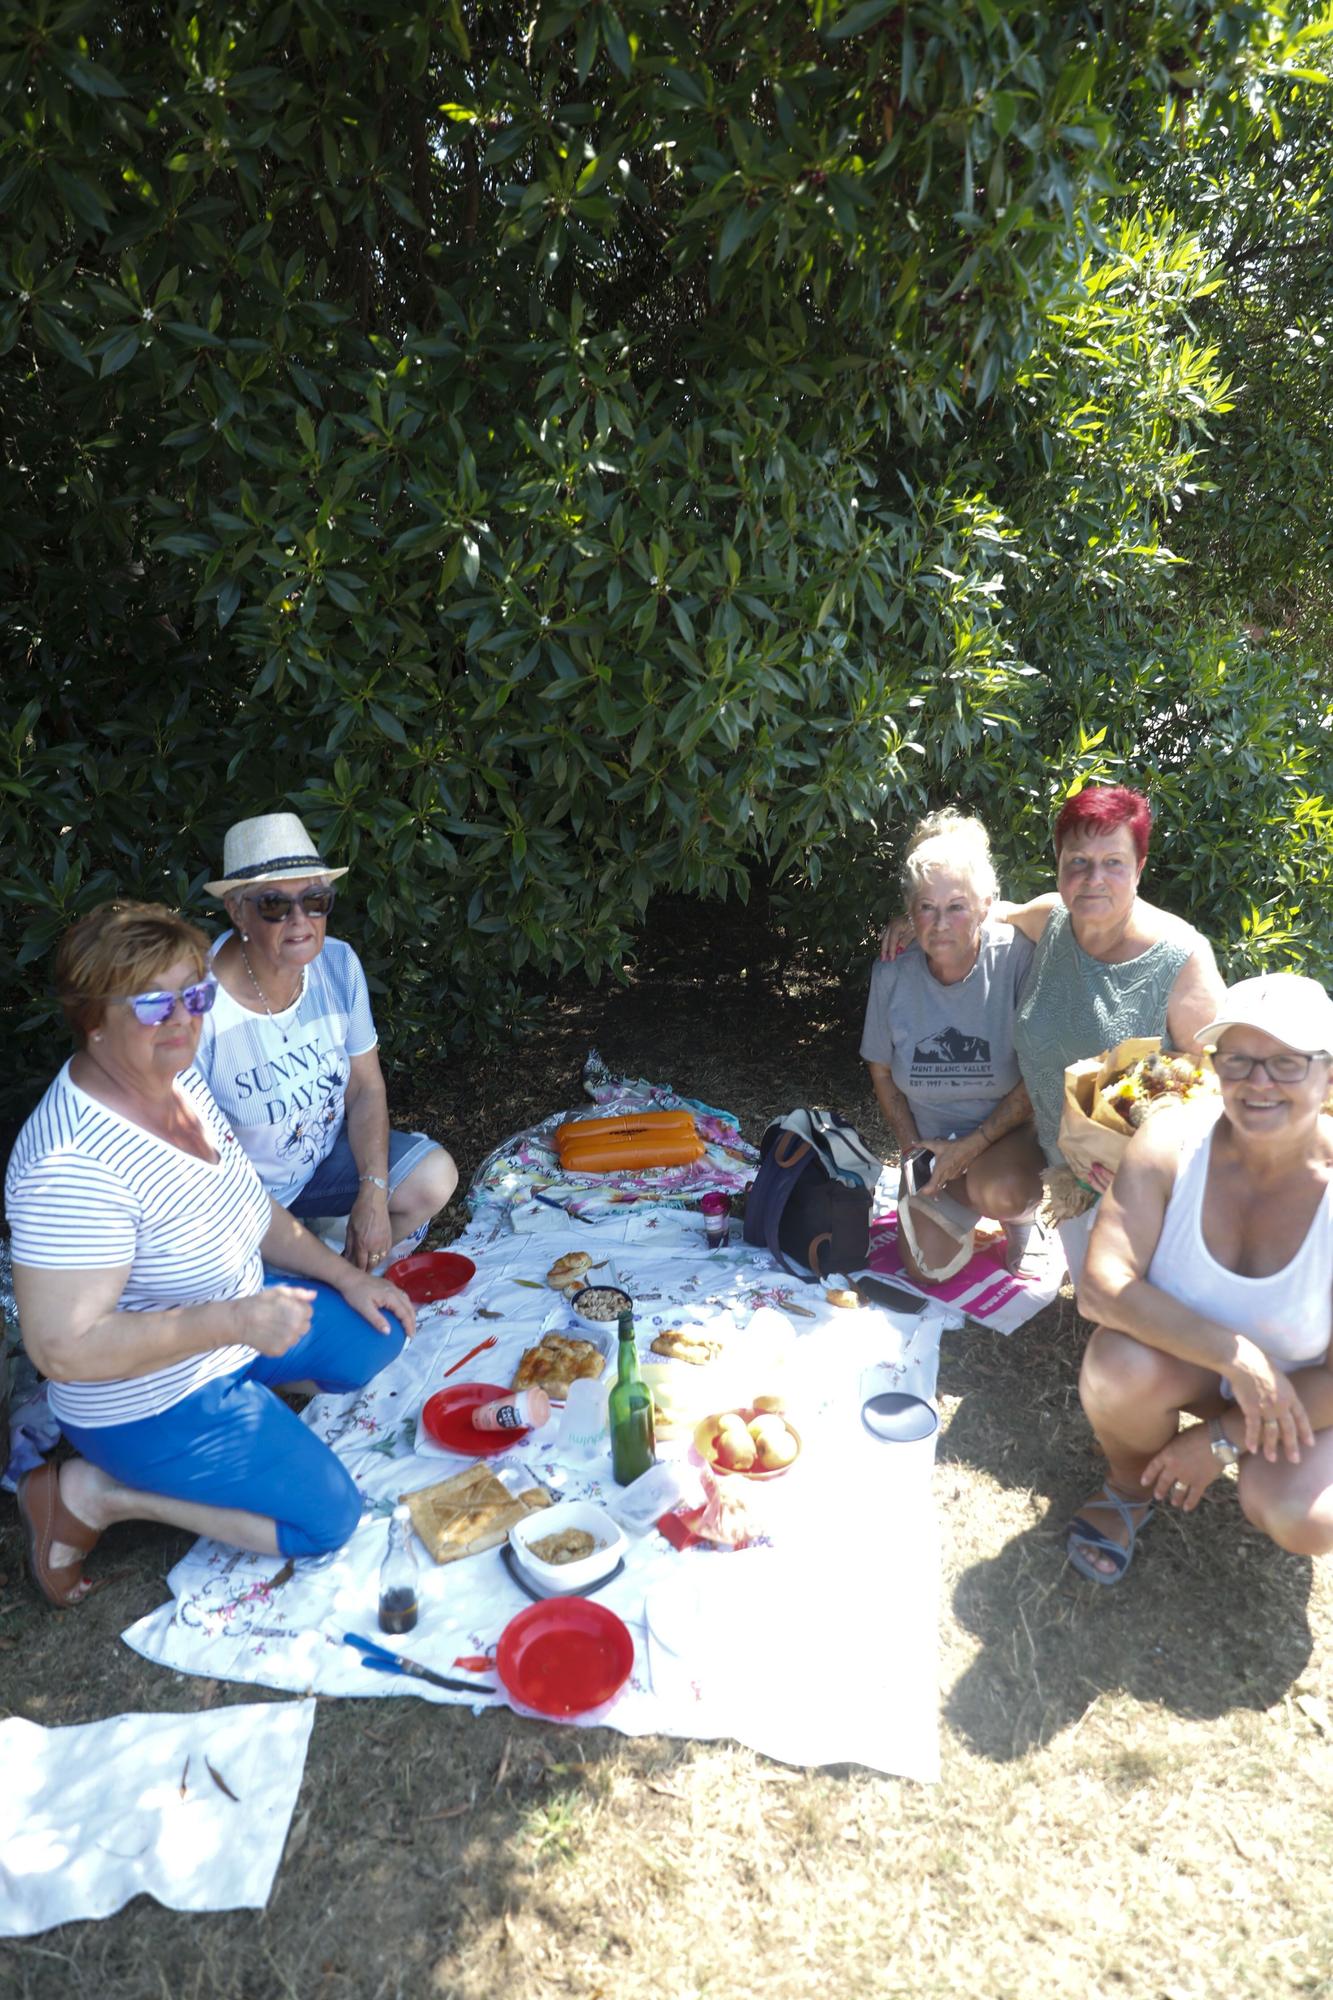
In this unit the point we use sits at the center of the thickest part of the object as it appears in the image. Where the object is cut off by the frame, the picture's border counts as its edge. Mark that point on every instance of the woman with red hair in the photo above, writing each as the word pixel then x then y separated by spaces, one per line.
pixel 1108 964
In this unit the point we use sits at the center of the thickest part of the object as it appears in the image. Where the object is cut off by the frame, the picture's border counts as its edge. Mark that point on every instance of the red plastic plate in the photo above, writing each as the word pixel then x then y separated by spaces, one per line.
pixel 431 1275
pixel 448 1418
pixel 564 1656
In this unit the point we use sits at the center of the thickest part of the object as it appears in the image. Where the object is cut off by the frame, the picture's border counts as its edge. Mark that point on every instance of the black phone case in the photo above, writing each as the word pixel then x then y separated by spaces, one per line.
pixel 893 1296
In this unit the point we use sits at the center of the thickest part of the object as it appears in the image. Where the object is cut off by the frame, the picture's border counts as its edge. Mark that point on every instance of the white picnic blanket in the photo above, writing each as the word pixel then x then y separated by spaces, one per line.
pixel 190 1809
pixel 844 1670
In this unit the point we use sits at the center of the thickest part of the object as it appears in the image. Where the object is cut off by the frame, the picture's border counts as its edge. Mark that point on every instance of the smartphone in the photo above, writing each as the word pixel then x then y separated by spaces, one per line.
pixel 881 1294
pixel 919 1170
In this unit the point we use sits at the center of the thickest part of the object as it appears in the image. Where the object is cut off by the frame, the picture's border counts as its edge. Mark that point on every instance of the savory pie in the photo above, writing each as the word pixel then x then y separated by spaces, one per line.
pixel 557 1361
pixel 468 1513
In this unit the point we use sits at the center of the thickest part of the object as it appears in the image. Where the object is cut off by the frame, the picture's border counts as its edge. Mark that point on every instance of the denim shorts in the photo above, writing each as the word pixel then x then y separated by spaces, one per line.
pixel 336 1182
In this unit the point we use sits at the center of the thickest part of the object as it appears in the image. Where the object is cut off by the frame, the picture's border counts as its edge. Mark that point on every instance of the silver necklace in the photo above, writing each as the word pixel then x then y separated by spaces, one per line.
pixel 264 997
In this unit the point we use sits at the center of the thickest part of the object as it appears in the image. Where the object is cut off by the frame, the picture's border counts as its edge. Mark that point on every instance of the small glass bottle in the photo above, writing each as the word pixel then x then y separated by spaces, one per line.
pixel 630 1412
pixel 398 1576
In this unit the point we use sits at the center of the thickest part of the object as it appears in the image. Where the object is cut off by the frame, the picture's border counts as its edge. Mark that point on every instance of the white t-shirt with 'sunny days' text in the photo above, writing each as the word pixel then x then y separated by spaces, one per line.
pixel 286 1097
pixel 950 1048
pixel 87 1190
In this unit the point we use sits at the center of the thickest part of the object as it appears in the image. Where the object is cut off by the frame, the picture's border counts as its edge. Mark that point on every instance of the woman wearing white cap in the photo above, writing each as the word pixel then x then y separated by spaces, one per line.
pixel 1210 1274
pixel 290 1051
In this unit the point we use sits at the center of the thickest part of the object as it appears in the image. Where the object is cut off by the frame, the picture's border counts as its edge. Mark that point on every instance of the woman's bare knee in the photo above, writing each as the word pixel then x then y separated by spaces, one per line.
pixel 1117 1369
pixel 428 1187
pixel 1289 1521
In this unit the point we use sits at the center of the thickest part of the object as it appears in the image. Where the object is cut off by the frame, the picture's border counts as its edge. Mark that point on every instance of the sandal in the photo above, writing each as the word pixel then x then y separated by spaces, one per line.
pixel 47 1520
pixel 1081 1530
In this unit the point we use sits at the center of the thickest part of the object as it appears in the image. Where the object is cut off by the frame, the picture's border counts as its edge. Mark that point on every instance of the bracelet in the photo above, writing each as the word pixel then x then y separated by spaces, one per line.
pixel 375 1181
pixel 1220 1444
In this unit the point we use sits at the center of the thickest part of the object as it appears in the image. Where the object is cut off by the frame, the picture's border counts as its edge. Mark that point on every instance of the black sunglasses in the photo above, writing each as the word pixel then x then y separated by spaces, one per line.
pixel 274 908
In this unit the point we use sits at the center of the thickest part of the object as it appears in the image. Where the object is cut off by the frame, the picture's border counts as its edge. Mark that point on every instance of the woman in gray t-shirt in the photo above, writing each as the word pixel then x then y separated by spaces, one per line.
pixel 939 1044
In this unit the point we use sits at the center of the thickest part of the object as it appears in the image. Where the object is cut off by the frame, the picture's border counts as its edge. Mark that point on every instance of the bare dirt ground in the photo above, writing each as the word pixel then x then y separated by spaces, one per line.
pixel 1136 1782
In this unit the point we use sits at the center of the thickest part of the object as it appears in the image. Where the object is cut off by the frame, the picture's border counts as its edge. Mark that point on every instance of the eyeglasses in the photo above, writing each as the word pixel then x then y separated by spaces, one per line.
pixel 1288 1067
pixel 275 908
pixel 153 1010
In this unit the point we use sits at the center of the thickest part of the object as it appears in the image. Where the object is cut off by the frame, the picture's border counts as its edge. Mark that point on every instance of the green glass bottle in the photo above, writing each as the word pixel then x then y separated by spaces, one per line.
pixel 630 1412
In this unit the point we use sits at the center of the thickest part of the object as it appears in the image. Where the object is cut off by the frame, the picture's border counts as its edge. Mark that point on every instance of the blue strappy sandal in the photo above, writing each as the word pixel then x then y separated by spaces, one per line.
pixel 1082 1530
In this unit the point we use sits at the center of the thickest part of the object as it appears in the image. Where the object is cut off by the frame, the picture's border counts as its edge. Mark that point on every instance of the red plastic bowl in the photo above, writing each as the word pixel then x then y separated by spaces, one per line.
pixel 564 1656
pixel 448 1418
pixel 431 1275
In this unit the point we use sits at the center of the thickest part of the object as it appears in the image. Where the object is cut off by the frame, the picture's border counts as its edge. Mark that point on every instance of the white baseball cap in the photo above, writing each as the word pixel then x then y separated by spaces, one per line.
pixel 1285 1005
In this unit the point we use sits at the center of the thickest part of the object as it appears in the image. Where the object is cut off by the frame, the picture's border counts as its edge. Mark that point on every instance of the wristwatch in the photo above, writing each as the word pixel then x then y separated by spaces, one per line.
pixel 1221 1445
pixel 375 1181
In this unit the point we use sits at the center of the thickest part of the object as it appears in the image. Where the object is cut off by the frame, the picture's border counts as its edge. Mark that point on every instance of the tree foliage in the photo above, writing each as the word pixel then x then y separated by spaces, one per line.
pixel 623 448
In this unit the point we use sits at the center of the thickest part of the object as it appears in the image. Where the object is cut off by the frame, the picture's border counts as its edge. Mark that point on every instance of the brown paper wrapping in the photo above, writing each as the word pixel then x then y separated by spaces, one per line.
pixel 1090 1130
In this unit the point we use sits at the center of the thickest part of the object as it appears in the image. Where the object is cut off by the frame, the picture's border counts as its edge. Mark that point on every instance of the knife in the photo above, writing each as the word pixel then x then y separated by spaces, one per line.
pixel 383 1661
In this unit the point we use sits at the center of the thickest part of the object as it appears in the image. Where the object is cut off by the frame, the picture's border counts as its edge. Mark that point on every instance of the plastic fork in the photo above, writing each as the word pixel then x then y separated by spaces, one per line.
pixel 471 1355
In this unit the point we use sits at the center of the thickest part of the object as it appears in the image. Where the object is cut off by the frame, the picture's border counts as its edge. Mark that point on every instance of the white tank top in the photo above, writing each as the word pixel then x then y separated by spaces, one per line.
pixel 1290 1314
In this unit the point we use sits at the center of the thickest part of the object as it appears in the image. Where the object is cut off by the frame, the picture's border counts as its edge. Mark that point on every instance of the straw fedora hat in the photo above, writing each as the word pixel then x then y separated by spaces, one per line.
pixel 273 848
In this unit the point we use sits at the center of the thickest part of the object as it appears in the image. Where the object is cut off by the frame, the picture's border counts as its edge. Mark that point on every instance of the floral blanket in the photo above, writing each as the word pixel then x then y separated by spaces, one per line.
pixel 521 1182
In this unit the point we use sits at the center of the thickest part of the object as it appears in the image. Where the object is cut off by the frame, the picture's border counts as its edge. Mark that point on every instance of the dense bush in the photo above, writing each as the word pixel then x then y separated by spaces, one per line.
pixel 623 450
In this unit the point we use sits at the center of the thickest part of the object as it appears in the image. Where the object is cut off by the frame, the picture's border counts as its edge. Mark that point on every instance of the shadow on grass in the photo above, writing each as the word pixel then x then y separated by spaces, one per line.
pixel 1210 1618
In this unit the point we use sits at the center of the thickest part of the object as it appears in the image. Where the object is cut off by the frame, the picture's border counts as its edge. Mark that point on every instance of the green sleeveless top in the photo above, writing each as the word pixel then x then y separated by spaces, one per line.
pixel 1074 1006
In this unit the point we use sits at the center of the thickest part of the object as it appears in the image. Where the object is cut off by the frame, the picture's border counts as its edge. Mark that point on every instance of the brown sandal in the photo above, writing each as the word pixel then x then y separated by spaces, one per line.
pixel 47 1520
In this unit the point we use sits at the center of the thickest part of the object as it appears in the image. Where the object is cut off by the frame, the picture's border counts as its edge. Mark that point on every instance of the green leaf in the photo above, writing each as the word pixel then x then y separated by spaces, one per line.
pixel 857 19
pixel 122 350
pixel 56 334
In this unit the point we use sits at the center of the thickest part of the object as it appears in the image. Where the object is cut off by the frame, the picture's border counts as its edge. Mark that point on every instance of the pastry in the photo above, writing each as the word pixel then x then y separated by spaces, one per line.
pixel 570 1271
pixel 679 1345
pixel 557 1361
pixel 468 1513
pixel 838 1297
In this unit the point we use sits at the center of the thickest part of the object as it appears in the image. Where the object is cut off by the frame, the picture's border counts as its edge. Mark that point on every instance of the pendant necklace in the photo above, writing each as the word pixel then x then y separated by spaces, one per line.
pixel 264 997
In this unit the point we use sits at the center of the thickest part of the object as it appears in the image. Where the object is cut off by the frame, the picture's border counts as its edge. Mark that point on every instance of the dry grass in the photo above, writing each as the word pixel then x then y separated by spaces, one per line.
pixel 1135 1790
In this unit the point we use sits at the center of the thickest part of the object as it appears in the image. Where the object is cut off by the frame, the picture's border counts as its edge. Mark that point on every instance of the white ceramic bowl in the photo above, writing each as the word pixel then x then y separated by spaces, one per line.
pixel 560 1579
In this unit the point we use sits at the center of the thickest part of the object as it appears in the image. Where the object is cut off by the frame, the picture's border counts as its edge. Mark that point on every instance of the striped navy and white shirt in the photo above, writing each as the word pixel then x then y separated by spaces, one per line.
pixel 87 1189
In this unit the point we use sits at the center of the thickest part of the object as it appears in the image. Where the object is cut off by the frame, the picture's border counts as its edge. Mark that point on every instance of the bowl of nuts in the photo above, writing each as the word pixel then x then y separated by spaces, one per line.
pixel 600 1305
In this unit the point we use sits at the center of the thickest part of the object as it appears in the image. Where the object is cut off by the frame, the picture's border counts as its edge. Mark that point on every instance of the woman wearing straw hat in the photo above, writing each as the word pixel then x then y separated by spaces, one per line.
pixel 290 1051
pixel 1210 1274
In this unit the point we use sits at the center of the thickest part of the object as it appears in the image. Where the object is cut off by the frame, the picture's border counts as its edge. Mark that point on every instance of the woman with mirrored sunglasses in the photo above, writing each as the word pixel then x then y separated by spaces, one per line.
pixel 1210 1277
pixel 291 1052
pixel 140 1237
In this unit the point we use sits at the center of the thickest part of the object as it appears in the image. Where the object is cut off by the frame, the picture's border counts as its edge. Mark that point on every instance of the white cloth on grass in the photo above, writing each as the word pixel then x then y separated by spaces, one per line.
pixel 95 1814
pixel 852 1523
pixel 282 1078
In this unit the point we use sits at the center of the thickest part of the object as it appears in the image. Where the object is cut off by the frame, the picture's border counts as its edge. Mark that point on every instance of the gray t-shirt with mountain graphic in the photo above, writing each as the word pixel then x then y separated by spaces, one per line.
pixel 950 1048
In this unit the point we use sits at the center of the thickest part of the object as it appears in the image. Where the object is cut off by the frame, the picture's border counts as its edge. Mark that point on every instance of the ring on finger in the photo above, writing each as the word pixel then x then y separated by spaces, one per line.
pixel 1180 1486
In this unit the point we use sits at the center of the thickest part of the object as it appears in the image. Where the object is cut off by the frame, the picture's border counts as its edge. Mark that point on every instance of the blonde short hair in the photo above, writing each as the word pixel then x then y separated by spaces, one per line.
pixel 116 949
pixel 950 842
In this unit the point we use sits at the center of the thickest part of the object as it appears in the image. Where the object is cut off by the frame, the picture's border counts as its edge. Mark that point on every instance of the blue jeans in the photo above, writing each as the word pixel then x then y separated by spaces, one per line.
pixel 336 1183
pixel 233 1443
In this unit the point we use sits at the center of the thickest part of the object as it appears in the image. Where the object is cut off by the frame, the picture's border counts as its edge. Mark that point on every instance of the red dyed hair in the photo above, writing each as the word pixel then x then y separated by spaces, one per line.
pixel 1101 809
